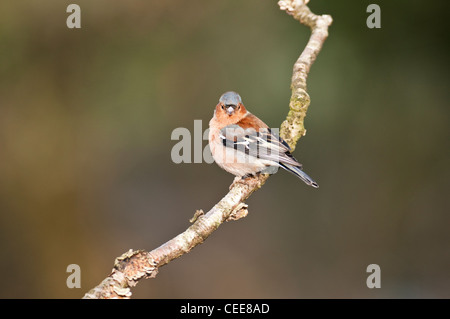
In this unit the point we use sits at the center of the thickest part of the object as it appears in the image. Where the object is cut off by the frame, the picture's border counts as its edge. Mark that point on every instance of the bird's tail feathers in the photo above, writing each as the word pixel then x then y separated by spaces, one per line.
pixel 300 174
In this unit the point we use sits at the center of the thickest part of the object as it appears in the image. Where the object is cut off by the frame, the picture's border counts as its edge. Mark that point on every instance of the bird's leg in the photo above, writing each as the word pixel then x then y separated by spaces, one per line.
pixel 237 180
pixel 248 179
pixel 240 179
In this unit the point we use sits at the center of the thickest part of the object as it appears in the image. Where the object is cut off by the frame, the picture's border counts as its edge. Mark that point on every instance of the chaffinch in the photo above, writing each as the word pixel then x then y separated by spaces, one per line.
pixel 244 145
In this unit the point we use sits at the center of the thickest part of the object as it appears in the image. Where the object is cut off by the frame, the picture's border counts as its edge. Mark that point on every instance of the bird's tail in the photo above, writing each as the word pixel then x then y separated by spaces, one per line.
pixel 300 174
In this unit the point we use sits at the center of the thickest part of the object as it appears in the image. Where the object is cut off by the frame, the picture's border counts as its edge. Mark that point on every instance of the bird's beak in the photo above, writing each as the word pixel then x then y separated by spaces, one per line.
pixel 230 109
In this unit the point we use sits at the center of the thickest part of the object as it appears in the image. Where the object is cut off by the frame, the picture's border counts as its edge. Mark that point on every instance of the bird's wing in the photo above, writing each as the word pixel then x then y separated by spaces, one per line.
pixel 262 144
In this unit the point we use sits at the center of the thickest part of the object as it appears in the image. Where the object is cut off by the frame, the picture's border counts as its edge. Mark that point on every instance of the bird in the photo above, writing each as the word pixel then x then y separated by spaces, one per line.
pixel 245 146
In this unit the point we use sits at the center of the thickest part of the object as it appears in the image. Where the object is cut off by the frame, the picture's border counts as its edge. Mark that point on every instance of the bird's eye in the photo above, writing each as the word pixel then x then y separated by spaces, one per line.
pixel 223 107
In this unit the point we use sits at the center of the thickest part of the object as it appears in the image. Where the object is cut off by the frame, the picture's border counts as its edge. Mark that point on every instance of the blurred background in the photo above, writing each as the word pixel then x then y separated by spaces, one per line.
pixel 86 117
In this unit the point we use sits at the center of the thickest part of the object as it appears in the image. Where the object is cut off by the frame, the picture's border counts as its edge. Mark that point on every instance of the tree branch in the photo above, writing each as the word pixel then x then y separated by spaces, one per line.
pixel 136 265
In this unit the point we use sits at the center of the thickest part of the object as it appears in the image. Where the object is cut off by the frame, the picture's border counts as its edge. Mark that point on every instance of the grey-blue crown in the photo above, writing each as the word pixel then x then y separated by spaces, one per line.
pixel 230 98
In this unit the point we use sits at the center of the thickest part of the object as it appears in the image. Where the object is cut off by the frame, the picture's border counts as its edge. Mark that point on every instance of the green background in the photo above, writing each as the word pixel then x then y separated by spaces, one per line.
pixel 85 169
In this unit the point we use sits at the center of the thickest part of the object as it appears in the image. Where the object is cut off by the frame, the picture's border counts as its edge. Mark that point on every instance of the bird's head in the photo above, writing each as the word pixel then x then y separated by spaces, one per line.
pixel 230 107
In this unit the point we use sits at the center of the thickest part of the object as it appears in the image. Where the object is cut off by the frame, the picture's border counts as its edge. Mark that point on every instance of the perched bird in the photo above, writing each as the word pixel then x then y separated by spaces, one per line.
pixel 244 145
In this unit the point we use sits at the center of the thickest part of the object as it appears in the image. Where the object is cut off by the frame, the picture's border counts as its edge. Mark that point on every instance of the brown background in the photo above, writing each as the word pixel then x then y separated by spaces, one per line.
pixel 85 170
